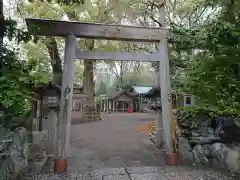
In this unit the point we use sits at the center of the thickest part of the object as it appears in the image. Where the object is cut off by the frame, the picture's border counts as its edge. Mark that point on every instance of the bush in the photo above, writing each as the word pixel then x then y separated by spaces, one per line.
pixel 190 116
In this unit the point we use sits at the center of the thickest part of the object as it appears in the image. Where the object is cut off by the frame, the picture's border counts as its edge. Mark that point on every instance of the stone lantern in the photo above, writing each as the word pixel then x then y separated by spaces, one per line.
pixel 50 94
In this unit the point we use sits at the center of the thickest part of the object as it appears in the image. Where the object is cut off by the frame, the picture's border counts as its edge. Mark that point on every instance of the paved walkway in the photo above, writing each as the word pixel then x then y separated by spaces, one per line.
pixel 112 143
pixel 140 173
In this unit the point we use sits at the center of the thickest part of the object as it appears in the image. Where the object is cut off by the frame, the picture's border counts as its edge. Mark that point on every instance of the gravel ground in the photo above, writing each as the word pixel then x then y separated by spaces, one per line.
pixel 139 173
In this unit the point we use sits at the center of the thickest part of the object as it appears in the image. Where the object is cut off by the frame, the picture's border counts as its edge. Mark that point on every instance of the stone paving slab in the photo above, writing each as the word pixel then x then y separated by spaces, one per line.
pixel 116 177
pixel 148 176
pixel 108 171
pixel 155 169
pixel 140 173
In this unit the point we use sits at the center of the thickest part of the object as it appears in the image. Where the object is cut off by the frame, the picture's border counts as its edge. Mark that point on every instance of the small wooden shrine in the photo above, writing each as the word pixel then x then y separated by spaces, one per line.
pixel 155 98
pixel 121 101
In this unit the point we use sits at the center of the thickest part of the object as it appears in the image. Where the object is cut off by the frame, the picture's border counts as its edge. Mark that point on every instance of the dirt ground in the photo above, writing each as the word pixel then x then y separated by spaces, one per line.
pixel 113 142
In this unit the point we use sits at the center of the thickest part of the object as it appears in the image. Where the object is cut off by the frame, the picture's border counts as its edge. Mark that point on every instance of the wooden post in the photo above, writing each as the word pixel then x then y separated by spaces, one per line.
pixel 171 158
pixel 101 105
pixel 52 129
pixel 64 120
pixel 159 129
pixel 104 105
pixel 37 115
pixel 117 106
pixel 107 105
pixel 40 124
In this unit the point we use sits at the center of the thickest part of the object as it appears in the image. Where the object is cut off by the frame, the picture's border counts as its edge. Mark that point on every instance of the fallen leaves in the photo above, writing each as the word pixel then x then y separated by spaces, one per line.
pixel 148 128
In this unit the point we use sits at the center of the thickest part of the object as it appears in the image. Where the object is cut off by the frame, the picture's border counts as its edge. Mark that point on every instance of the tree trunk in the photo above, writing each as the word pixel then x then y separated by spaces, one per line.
pixel 55 60
pixel 91 112
pixel 121 75
pixel 88 81
pixel 88 71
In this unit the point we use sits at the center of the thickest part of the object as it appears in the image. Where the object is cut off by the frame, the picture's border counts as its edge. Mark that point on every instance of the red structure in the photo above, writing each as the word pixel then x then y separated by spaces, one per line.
pixel 130 110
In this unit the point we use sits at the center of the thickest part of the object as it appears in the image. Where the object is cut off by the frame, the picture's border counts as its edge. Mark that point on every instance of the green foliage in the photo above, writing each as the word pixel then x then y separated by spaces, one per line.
pixel 214 71
pixel 102 89
pixel 13 33
pixel 38 62
pixel 17 76
pixel 192 115
pixel 196 114
pixel 16 81
pixel 211 69
pixel 64 2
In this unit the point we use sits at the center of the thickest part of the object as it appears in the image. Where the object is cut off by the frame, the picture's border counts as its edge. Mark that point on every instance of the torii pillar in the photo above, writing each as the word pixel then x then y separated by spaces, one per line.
pixel 64 123
pixel 166 122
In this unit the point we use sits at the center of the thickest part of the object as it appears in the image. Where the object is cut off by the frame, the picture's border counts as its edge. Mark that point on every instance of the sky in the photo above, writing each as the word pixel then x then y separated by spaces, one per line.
pixel 7 5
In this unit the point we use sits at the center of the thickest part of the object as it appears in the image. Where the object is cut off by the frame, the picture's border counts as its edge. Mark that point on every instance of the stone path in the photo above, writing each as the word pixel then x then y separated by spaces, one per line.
pixel 140 173
pixel 112 143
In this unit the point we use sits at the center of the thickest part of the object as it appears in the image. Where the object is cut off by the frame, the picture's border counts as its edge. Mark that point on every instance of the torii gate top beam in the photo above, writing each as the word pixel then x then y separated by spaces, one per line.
pixel 46 27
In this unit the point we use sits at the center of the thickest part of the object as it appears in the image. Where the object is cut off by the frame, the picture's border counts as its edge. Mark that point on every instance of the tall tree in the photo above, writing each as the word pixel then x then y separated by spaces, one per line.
pixel 39 9
pixel 92 11
pixel 14 70
pixel 213 70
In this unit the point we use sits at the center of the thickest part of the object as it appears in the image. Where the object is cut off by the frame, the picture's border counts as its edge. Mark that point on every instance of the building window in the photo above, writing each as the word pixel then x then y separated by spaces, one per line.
pixel 188 100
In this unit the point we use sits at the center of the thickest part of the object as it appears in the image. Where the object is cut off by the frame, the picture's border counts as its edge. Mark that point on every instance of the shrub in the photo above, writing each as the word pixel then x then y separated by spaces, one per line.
pixel 189 116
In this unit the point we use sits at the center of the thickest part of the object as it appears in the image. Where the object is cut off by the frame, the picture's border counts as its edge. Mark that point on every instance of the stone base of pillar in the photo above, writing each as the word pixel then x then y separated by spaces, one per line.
pixel 172 159
pixel 60 165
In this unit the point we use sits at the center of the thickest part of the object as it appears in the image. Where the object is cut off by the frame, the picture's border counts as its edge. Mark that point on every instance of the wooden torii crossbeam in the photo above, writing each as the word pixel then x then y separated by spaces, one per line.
pixel 71 30
pixel 117 56
pixel 46 27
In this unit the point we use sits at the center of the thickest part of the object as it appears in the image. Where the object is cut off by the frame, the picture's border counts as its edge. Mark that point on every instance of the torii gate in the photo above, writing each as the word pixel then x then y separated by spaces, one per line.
pixel 71 30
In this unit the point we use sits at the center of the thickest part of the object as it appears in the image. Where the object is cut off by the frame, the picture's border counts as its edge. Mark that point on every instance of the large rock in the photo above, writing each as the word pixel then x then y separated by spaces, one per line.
pixel 215 141
pixel 37 159
pixel 14 163
pixel 40 138
pixel 227 156
pixel 38 153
